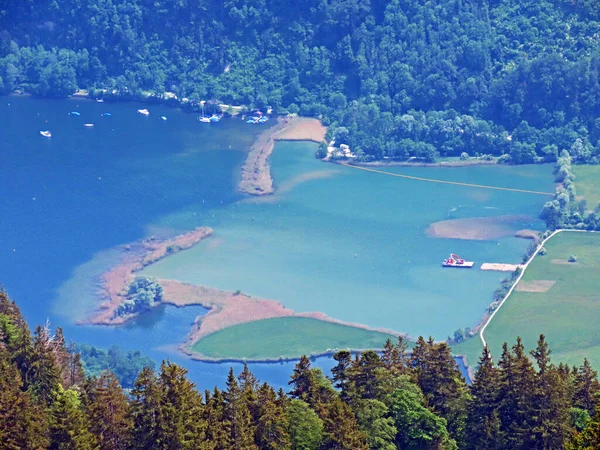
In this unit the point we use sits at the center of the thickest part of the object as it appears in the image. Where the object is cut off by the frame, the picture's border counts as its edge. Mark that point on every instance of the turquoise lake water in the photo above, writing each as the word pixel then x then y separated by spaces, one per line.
pixel 68 202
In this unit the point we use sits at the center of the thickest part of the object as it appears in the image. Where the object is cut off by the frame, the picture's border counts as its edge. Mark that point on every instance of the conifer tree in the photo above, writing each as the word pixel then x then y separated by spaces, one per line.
pixel 551 403
pixel 442 384
pixel 591 433
pixel 22 425
pixel 145 410
pixel 517 384
pixel 363 374
pixel 238 414
pixel 395 357
pixel 180 423
pixel 272 425
pixel 341 428
pixel 300 379
pixel 69 427
pixel 108 411
pixel 483 421
pixel 218 427
pixel 248 387
pixel 586 388
pixel 340 374
pixel 45 373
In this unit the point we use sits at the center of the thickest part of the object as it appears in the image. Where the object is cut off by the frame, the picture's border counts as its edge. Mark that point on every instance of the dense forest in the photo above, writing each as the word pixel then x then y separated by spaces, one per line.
pixel 393 399
pixel 395 79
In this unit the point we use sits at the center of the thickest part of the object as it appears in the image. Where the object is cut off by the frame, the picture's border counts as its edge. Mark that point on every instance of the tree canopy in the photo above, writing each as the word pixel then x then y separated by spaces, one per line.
pixel 397 79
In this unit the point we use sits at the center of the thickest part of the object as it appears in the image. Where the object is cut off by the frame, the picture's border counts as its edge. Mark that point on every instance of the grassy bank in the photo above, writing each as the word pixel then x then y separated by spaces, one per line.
pixel 566 312
pixel 287 337
pixel 587 183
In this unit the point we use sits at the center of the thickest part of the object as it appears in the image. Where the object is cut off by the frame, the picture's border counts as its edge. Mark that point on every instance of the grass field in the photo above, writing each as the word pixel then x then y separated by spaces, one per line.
pixel 287 337
pixel 568 314
pixel 587 184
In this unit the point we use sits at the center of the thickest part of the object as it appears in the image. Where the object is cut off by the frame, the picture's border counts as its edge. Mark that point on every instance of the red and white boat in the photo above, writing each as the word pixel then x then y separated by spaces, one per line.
pixel 457 261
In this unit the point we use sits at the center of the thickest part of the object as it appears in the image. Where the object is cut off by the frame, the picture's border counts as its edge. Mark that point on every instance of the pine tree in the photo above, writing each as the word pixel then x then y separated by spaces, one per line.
pixel 300 379
pixel 395 357
pixel 44 372
pixel 218 427
pixel 341 428
pixel 22 425
pixel 68 423
pixel 483 421
pixel 586 388
pixel 145 410
pixel 517 384
pixel 272 425
pixel 248 387
pixel 180 424
pixel 238 414
pixel 340 373
pixel 551 403
pixel 363 374
pixel 109 416
pixel 442 383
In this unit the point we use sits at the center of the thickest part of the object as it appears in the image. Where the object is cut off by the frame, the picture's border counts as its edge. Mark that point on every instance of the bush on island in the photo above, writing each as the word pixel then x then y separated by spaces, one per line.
pixel 143 294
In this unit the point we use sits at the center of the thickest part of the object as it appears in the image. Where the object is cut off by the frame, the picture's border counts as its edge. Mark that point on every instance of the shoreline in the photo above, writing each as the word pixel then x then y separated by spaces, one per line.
pixel 116 280
pixel 226 309
pixel 448 164
pixel 256 170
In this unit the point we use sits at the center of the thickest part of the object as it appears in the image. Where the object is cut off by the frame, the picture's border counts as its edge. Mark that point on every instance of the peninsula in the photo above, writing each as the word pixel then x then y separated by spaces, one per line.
pixel 256 171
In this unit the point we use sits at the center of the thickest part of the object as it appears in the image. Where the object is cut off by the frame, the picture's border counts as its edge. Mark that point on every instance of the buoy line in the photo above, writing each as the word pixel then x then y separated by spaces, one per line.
pixel 456 183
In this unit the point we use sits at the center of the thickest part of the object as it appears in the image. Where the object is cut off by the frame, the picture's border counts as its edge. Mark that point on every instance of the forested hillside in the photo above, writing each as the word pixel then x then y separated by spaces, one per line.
pixel 389 400
pixel 397 78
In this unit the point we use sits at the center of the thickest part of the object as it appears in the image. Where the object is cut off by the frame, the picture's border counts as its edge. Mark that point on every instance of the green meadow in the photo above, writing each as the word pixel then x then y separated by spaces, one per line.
pixel 285 337
pixel 567 313
pixel 587 184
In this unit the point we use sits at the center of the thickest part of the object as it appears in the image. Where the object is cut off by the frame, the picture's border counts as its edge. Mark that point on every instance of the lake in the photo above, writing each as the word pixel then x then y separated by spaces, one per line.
pixel 334 239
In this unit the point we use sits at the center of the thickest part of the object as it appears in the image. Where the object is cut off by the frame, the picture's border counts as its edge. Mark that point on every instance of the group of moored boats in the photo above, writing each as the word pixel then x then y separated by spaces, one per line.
pixel 257 119
pixel 144 112
pixel 212 119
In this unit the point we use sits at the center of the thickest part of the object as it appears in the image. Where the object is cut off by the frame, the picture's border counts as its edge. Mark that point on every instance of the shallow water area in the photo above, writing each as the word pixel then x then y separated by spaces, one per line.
pixel 332 239
pixel 353 244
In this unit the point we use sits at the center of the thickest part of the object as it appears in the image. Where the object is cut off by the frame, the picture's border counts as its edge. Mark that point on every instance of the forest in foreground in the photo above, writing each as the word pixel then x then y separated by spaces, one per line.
pixel 516 79
pixel 393 399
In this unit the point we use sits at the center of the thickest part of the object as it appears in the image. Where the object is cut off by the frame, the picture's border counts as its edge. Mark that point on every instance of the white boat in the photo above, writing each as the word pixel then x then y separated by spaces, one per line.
pixel 99 100
pixel 163 117
pixel 46 133
pixel 88 125
pixel 204 119
pixel 144 112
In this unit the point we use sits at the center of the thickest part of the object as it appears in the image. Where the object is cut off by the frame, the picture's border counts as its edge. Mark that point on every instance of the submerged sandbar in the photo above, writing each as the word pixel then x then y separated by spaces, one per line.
pixel 477 228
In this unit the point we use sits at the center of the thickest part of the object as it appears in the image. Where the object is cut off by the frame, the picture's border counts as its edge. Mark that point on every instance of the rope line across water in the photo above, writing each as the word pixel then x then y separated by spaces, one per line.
pixel 430 180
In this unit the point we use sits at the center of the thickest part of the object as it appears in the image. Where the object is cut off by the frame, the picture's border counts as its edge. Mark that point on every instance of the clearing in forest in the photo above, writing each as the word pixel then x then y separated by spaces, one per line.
pixel 565 304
